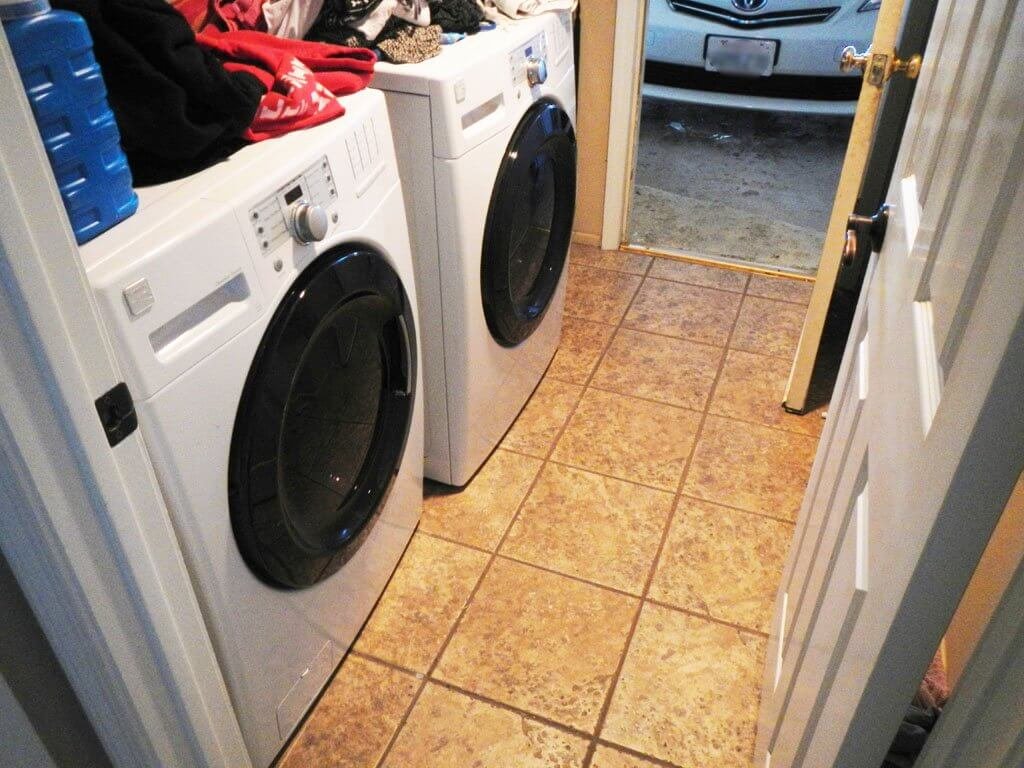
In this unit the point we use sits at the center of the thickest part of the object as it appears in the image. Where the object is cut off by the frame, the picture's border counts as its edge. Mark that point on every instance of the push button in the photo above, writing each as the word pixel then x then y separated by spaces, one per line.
pixel 138 297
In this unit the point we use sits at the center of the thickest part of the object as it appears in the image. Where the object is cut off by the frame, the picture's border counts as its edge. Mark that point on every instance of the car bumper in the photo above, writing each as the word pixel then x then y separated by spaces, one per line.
pixel 809 50
pixel 756 103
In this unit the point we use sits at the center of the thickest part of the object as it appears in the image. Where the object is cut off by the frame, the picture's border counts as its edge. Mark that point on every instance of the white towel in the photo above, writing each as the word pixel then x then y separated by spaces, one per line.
pixel 372 23
pixel 291 18
pixel 517 9
pixel 414 11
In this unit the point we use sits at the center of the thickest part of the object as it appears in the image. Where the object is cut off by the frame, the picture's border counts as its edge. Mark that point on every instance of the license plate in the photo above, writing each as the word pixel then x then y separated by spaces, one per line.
pixel 740 56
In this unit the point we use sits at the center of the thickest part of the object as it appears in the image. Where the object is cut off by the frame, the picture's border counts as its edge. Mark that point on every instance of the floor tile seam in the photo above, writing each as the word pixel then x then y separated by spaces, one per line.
pixel 766 426
pixel 593 371
pixel 741 510
pixel 741 291
pixel 741 294
pixel 652 400
pixel 775 298
pixel 310 711
pixel 484 572
pixel 571 730
pixel 636 616
pixel 454 628
pixel 708 403
pixel 632 752
pixel 705 617
pixel 448 540
pixel 540 472
pixel 669 522
pixel 659 334
pixel 423 680
pixel 588 265
pixel 572 577
pixel 614 682
pixel 788 357
pixel 608 476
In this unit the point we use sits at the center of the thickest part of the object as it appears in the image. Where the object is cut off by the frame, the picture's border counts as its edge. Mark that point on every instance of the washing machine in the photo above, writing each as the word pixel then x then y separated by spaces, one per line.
pixel 487 151
pixel 264 312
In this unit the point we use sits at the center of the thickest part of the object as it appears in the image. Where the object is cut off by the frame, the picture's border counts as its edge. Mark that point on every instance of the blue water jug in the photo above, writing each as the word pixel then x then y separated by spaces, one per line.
pixel 53 52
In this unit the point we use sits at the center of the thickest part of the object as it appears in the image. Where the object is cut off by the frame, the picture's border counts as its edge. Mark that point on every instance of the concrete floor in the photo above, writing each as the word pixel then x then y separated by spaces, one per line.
pixel 753 186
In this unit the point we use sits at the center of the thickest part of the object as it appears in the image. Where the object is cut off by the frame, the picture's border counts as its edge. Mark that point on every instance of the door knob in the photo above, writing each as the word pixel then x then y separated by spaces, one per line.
pixel 851 60
pixel 878 66
pixel 865 234
pixel 910 68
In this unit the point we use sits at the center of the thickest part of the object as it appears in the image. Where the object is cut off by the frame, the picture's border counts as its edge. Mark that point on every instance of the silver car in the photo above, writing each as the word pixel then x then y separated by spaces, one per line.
pixel 778 55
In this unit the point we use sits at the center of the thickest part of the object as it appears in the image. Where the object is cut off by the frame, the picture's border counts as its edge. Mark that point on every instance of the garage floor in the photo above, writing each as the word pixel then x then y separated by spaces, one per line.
pixel 600 593
pixel 753 186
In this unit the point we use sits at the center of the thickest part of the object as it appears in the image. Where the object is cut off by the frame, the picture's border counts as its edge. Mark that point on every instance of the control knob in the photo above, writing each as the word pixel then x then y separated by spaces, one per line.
pixel 309 222
pixel 536 71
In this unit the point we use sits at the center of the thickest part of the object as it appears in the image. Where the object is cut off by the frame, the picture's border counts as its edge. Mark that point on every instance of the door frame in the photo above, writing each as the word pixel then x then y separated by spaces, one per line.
pixel 84 525
pixel 627 69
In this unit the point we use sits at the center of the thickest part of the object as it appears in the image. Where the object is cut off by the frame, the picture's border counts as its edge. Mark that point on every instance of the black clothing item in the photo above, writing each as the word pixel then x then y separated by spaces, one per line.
pixel 329 27
pixel 352 10
pixel 456 15
pixel 176 106
pixel 911 736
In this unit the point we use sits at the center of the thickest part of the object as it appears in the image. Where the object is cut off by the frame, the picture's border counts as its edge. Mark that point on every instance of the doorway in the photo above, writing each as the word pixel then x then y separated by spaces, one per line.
pixel 742 128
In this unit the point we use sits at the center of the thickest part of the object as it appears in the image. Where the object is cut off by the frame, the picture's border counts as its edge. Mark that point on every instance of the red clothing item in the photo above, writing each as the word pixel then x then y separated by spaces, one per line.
pixel 229 15
pixel 240 14
pixel 302 78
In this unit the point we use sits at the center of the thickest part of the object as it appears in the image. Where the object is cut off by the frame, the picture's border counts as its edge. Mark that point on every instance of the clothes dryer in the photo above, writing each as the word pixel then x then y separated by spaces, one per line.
pixel 487 150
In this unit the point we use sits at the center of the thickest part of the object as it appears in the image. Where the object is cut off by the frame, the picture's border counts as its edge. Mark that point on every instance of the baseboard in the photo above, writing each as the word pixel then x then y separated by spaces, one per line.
pixel 586 238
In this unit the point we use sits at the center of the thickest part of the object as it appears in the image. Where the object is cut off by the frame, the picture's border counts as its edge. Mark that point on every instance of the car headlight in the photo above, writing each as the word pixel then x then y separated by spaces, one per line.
pixel 870 5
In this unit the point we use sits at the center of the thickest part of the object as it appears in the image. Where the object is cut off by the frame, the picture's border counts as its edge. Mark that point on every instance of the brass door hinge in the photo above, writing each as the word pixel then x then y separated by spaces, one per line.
pixel 879 67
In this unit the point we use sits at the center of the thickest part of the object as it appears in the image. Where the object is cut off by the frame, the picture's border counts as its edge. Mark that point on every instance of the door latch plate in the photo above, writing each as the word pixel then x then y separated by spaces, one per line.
pixel 117 413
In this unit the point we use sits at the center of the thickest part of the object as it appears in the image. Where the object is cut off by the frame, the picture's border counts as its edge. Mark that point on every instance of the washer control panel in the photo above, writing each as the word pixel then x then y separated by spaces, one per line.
pixel 529 63
pixel 297 210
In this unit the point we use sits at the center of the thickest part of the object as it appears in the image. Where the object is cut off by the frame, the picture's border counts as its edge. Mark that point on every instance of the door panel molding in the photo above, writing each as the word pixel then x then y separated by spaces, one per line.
pixel 84 527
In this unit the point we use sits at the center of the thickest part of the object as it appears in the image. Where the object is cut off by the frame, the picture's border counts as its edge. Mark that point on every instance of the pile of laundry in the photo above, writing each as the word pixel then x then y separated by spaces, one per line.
pixel 411 31
pixel 184 101
pixel 192 81
pixel 398 31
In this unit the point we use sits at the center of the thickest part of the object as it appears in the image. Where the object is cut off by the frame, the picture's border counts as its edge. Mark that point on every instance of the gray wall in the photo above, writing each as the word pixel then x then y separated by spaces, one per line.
pixel 42 725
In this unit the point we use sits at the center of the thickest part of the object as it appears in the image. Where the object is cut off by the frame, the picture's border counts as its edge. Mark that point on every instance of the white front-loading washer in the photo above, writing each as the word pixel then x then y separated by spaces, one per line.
pixel 487 151
pixel 264 313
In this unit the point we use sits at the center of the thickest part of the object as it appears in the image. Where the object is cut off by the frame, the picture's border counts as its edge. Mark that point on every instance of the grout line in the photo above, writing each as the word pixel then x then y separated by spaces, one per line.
pixel 707 617
pixel 776 298
pixel 600 585
pixel 441 537
pixel 588 759
pixel 725 263
pixel 659 334
pixel 637 483
pixel 764 515
pixel 578 732
pixel 595 737
pixel 636 753
pixel 458 621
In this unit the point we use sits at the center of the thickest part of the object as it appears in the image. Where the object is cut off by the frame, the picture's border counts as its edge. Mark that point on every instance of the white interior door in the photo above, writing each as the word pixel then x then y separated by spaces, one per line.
pixel 926 430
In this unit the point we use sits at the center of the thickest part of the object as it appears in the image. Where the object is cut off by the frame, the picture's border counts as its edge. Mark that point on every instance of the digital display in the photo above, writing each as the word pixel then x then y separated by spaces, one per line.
pixel 292 195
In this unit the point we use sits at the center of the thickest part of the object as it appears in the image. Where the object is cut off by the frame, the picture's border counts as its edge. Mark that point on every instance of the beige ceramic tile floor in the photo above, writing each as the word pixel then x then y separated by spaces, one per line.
pixel 599 594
